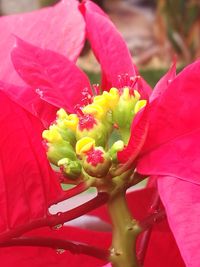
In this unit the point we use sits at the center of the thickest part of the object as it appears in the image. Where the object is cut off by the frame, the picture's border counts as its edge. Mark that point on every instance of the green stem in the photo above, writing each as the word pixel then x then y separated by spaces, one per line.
pixel 125 231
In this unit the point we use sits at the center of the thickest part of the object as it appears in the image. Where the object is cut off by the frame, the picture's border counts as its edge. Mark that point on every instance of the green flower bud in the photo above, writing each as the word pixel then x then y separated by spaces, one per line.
pixel 124 112
pixel 67 134
pixel 71 168
pixel 57 148
pixel 117 146
pixel 90 127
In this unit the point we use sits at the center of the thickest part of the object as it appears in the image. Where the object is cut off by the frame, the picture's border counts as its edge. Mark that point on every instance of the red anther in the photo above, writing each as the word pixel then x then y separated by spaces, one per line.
pixel 125 80
pixel 78 110
pixel 116 126
pixel 134 81
pixel 120 84
pixel 87 97
pixel 95 157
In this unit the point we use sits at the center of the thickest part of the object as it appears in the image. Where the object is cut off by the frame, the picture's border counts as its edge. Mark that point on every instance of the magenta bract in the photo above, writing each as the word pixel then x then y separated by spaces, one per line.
pixel 164 135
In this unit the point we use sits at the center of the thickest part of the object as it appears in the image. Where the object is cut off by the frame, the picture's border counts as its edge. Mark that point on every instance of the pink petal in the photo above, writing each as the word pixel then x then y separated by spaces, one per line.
pixel 182 202
pixel 27 183
pixel 108 45
pixel 56 79
pixel 60 28
pixel 162 249
pixel 164 82
pixel 172 145
pixel 29 100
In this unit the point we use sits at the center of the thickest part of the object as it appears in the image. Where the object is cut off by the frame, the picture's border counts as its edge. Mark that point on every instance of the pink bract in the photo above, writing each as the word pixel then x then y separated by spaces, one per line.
pixel 59 28
pixel 54 78
pixel 165 134
pixel 109 49
pixel 28 186
pixel 182 203
pixel 172 144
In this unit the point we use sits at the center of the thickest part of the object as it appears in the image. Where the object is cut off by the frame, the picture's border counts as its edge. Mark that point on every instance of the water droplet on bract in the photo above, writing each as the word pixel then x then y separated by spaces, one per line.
pixel 152 208
pixel 39 92
pixel 57 227
pixel 60 251
pixel 169 81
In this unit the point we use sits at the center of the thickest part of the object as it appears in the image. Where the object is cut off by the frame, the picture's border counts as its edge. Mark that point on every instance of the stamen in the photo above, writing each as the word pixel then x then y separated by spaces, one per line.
pixel 96 89
pixel 116 126
pixel 133 81
pixel 87 97
pixel 120 84
pixel 125 80
pixel 78 110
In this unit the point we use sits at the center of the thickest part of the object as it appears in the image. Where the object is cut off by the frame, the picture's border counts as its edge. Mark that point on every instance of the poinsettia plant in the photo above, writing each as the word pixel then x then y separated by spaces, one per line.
pixel 109 136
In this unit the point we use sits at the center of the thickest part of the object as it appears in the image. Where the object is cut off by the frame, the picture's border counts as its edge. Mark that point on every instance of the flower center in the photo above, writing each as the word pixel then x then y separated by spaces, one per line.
pixel 88 141
pixel 94 157
pixel 86 122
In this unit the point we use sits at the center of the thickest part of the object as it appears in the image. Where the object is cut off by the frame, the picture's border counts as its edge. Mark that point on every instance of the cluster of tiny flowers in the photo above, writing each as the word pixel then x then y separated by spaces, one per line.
pixel 85 144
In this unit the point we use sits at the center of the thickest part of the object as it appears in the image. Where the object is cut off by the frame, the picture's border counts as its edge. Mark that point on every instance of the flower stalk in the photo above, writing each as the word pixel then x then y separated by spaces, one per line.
pixel 57 219
pixel 55 243
pixel 125 232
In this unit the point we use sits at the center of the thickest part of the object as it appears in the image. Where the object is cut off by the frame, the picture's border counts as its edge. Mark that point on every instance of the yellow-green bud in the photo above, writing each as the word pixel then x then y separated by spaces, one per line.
pixel 117 146
pixel 57 148
pixel 70 168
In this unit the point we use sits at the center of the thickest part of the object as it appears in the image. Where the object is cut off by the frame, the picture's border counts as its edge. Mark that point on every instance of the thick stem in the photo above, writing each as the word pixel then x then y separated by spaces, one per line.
pixel 125 231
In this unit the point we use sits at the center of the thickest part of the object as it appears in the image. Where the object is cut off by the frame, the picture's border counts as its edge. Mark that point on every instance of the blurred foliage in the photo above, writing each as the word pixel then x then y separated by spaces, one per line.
pixel 180 21
pixel 152 76
pixel 47 2
pixel 52 2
